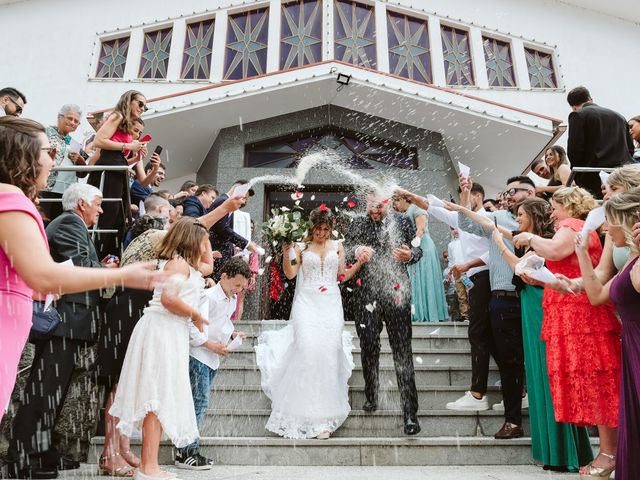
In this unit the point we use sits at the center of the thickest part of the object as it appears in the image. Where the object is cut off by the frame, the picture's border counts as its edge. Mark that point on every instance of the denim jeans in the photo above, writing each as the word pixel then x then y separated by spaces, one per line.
pixel 201 377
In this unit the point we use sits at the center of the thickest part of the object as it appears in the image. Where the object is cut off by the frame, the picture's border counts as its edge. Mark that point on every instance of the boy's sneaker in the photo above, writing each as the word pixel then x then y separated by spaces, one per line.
pixel 469 403
pixel 195 461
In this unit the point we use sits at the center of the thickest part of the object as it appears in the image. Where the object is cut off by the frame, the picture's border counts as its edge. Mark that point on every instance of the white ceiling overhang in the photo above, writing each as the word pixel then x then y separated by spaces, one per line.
pixel 495 140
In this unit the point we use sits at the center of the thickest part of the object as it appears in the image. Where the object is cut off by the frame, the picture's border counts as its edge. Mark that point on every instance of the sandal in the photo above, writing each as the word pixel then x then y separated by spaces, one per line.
pixel 130 458
pixel 124 471
pixel 598 472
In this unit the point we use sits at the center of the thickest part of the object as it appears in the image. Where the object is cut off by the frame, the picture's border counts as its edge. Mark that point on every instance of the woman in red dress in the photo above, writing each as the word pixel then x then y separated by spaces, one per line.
pixel 583 341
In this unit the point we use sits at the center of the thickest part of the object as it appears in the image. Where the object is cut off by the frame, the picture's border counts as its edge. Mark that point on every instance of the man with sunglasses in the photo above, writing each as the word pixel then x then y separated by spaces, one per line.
pixel 504 307
pixel 12 102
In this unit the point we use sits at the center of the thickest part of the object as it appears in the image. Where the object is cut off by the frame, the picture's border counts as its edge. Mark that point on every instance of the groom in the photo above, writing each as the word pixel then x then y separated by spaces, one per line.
pixel 382 294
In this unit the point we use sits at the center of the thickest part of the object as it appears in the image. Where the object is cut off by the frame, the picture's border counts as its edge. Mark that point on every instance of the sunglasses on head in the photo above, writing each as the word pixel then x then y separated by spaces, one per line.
pixel 52 151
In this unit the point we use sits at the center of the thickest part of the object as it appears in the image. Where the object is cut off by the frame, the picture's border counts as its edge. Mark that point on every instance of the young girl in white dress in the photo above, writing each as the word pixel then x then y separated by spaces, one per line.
pixel 154 391
pixel 305 367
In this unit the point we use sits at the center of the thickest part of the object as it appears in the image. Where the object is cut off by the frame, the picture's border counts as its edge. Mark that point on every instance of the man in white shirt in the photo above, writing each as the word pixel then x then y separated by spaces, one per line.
pixel 12 102
pixel 209 345
pixel 475 266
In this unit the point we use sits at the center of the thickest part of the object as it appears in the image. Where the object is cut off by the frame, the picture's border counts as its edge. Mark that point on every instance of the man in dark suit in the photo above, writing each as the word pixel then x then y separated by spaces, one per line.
pixel 31 444
pixel 223 237
pixel 598 137
pixel 382 295
pixel 198 204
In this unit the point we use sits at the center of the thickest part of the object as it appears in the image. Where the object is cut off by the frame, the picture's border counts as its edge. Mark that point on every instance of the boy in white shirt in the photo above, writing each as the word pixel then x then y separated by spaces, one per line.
pixel 208 346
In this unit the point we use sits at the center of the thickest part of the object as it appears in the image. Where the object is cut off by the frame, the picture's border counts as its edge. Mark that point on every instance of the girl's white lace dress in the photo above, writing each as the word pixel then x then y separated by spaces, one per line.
pixel 155 373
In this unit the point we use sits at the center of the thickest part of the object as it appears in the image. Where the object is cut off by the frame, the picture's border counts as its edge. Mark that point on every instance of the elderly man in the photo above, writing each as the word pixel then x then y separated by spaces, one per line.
pixel 12 102
pixel 69 118
pixel 31 447
pixel 382 295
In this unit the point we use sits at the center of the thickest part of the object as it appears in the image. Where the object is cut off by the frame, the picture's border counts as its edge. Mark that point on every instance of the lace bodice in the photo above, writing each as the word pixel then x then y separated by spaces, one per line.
pixel 317 270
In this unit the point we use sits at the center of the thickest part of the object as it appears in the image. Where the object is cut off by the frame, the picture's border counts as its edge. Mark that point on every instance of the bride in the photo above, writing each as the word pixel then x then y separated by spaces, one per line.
pixel 305 367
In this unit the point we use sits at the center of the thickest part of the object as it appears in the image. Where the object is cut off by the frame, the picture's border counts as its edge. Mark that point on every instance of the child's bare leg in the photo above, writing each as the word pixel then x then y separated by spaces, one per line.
pixel 151 433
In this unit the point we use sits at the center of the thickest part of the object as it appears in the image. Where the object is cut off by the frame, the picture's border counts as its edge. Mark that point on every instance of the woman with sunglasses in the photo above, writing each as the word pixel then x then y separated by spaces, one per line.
pixel 115 141
pixel 26 267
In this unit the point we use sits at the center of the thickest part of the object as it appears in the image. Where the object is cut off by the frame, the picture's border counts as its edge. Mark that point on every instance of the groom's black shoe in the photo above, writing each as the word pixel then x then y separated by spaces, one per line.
pixel 370 406
pixel 411 426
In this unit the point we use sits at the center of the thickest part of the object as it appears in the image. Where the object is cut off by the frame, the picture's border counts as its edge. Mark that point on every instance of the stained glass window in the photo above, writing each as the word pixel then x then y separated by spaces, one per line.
pixel 540 67
pixel 155 54
pixel 247 37
pixel 198 44
pixel 497 55
pixel 301 37
pixel 113 58
pixel 409 54
pixel 355 33
pixel 357 150
pixel 457 56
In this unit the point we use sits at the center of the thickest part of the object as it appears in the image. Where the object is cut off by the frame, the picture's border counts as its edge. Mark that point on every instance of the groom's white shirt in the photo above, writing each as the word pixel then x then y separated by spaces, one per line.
pixel 219 310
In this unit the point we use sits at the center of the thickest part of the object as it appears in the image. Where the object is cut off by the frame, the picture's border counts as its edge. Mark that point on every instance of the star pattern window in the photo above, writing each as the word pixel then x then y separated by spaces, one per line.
pixel 198 47
pixel 155 54
pixel 497 55
pixel 541 70
pixel 457 56
pixel 409 53
pixel 301 34
pixel 356 150
pixel 355 33
pixel 113 58
pixel 247 38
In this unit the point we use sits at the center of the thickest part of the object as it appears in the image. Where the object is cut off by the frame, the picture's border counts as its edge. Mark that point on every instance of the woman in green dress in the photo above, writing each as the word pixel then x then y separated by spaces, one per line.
pixel 428 300
pixel 558 446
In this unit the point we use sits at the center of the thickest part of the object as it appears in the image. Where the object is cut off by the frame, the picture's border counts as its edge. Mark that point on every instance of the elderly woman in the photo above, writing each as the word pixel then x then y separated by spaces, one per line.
pixel 583 341
pixel 59 135
pixel 26 266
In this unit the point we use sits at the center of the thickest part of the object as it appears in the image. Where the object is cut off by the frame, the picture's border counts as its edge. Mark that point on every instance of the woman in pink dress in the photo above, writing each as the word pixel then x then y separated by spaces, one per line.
pixel 26 267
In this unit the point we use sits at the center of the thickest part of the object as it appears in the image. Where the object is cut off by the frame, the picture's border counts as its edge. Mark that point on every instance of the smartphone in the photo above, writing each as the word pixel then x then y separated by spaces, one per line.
pixel 84 154
pixel 158 149
pixel 146 139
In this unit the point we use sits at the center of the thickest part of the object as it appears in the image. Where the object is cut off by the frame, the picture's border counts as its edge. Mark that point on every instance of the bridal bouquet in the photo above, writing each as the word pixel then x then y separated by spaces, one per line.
pixel 285 226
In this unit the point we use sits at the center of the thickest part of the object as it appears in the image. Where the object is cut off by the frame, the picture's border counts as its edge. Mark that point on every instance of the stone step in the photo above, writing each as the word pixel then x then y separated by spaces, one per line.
pixel 421 356
pixel 426 375
pixel 418 328
pixel 373 451
pixel 251 397
pixel 382 423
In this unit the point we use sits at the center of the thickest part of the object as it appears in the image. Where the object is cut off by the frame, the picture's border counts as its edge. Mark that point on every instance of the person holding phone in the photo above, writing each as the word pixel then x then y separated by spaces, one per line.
pixel 115 141
pixel 154 172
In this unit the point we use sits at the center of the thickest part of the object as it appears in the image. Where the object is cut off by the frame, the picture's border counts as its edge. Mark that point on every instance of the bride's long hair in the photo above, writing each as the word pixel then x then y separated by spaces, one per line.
pixel 318 216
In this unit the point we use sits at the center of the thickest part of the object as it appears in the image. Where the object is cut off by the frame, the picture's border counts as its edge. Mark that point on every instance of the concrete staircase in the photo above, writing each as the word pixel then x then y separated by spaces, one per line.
pixel 233 432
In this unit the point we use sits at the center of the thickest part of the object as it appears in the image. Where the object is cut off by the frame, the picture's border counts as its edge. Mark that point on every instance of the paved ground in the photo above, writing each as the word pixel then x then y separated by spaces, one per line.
pixel 351 473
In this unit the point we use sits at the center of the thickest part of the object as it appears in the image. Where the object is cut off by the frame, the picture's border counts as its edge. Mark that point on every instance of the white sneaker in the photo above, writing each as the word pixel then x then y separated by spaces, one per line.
pixel 500 406
pixel 468 402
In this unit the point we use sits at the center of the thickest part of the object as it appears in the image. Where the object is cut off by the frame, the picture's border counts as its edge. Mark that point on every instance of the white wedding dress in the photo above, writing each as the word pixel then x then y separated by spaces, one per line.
pixel 305 366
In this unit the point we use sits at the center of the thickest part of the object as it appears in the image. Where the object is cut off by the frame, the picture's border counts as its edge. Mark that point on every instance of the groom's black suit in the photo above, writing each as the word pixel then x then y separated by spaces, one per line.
pixel 384 281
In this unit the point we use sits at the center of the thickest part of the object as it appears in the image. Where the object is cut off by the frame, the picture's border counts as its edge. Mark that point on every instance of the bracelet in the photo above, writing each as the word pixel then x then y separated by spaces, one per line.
pixel 124 147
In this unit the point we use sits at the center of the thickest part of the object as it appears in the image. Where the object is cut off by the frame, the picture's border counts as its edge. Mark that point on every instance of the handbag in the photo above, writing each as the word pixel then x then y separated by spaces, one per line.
pixel 44 322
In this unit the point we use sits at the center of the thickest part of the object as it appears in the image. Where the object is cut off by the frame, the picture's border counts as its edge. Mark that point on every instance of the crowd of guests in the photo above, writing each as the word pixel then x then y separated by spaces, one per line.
pixel 560 347
pixel 147 236
pixel 566 347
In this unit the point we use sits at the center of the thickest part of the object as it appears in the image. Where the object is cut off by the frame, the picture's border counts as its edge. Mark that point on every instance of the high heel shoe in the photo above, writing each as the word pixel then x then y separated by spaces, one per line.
pixel 598 472
pixel 124 471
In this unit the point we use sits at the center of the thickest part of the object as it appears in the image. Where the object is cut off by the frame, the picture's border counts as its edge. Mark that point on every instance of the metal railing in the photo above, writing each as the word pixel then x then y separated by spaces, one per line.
pixel 575 170
pixel 126 205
